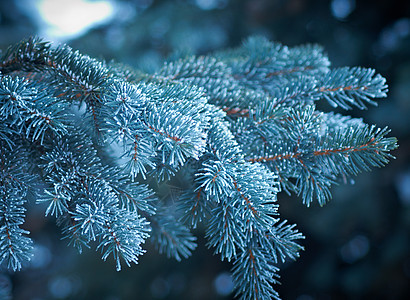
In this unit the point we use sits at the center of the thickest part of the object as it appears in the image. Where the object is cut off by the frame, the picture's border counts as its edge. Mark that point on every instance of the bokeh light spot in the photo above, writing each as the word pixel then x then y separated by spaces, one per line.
pixel 223 284
pixel 68 19
pixel 342 8
pixel 355 249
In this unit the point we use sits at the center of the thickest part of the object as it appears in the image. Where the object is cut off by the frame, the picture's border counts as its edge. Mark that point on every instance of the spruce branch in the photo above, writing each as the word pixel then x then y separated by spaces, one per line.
pixel 171 236
pixel 231 130
pixel 15 184
pixel 347 87
pixel 254 273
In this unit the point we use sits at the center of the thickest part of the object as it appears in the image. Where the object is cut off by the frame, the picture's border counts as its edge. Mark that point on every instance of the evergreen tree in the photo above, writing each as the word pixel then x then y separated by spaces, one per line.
pixel 95 140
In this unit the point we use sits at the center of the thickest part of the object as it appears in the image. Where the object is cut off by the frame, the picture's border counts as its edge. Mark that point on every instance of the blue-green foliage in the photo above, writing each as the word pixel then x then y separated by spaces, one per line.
pixel 15 246
pixel 235 128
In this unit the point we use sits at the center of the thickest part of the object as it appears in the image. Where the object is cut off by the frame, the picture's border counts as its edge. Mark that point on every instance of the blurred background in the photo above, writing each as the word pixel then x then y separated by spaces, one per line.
pixel 357 246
